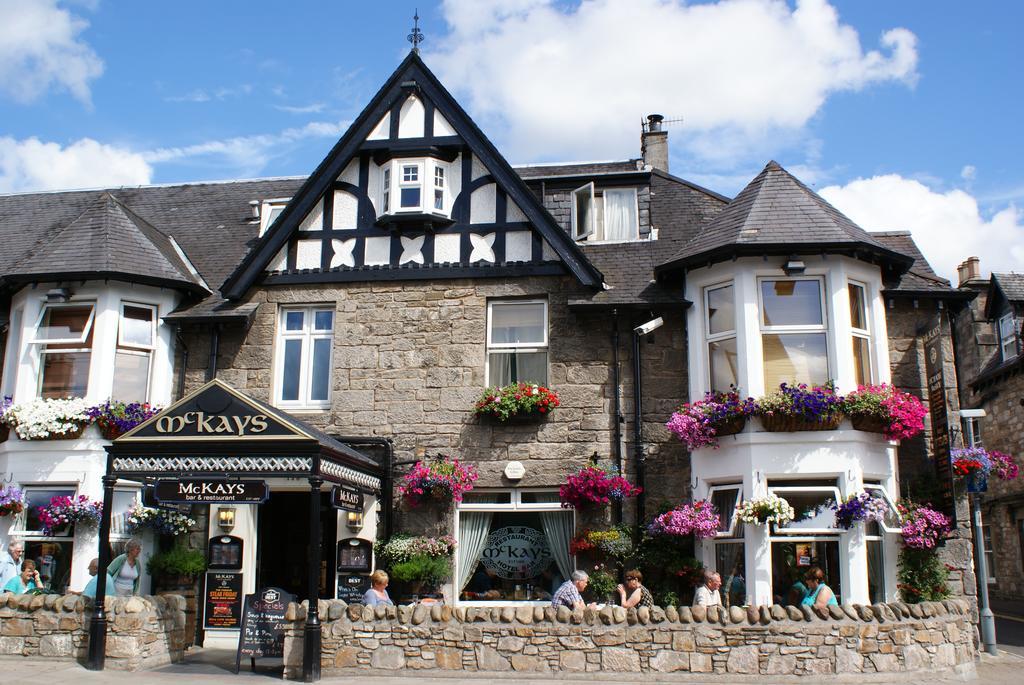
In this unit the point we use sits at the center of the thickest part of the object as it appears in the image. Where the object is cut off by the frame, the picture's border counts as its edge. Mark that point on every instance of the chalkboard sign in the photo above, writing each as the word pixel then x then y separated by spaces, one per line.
pixel 223 600
pixel 351 588
pixel 263 625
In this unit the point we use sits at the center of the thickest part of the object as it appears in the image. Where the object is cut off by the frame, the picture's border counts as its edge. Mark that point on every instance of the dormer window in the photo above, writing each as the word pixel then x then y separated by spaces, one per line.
pixel 269 211
pixel 418 185
pixel 610 214
pixel 1007 337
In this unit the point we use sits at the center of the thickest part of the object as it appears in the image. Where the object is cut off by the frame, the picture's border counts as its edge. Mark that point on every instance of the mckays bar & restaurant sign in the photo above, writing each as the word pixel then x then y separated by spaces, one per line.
pixel 211 490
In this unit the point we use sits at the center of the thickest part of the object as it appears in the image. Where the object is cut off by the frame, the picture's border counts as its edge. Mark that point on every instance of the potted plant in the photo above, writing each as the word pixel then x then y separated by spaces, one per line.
pixel 699 519
pixel 601 585
pixel 770 509
pixel 700 423
pixel 178 566
pixel 592 485
pixel 442 479
pixel 12 500
pixel 423 562
pixel 64 511
pixel 117 418
pixel 517 401
pixel 801 408
pixel 923 527
pixel 615 544
pixel 49 419
pixel 5 430
pixel 160 521
pixel 859 507
pixel 884 409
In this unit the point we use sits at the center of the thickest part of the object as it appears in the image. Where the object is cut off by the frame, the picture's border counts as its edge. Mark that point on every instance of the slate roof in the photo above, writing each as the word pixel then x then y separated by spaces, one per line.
pixel 1012 285
pixel 531 171
pixel 777 214
pixel 920 279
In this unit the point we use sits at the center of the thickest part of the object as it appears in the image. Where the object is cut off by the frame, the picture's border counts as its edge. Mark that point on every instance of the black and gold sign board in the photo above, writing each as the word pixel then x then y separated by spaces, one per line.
pixel 346 498
pixel 263 624
pixel 211 490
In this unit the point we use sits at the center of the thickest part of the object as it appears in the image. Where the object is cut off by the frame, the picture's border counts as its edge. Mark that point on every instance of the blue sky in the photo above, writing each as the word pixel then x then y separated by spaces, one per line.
pixel 902 114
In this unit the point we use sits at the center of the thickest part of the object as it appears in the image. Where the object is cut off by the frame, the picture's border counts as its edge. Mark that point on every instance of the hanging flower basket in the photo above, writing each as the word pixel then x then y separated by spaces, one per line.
pixel 868 423
pixel 63 512
pixel 592 485
pixel 800 408
pixel 862 507
pixel 12 500
pixel 160 521
pixel 731 425
pixel 699 519
pixel 72 434
pixel 441 479
pixel 923 527
pixel 770 509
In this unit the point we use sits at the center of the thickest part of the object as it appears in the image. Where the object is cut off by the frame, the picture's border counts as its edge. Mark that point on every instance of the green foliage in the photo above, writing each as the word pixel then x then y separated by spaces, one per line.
pixel 666 599
pixel 178 561
pixel 601 584
pixel 423 568
pixel 922 577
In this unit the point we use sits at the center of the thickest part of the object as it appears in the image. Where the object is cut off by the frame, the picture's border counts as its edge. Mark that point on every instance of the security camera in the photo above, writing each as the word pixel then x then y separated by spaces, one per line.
pixel 652 325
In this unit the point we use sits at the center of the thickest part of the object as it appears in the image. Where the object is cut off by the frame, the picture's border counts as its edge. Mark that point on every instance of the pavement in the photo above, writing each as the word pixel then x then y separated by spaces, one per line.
pixel 1009 625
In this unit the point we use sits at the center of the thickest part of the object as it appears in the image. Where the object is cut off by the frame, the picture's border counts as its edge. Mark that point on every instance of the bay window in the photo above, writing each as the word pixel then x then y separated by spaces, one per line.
pixel 136 340
pixel 721 336
pixel 517 341
pixel 52 553
pixel 63 337
pixel 305 337
pixel 793 331
pixel 861 334
pixel 414 185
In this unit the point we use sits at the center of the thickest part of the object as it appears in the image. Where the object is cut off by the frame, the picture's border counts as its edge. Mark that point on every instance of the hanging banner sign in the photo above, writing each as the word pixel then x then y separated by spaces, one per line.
pixel 211 490
pixel 346 498
pixel 934 364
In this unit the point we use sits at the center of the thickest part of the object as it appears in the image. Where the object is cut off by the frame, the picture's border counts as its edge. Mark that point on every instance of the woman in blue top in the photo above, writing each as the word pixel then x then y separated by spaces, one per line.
pixel 27 580
pixel 818 594
pixel 378 592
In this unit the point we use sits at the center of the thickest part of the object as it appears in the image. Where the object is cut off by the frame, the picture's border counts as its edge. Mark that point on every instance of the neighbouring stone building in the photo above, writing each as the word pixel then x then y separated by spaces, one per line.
pixel 366 308
pixel 990 361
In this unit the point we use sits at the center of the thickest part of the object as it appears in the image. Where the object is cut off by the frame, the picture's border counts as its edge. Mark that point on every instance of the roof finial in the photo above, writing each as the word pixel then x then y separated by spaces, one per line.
pixel 416 37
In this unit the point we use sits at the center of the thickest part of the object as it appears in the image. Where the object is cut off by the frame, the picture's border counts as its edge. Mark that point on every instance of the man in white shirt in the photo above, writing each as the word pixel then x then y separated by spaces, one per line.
pixel 707 595
pixel 10 561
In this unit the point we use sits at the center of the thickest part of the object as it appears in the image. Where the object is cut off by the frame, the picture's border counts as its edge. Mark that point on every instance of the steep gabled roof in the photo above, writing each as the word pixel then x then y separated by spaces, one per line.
pixel 777 214
pixel 108 240
pixel 412 70
pixel 1003 287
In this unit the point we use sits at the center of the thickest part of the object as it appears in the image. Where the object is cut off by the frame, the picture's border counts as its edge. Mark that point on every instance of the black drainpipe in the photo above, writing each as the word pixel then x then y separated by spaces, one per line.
pixel 638 435
pixel 387 483
pixel 616 381
pixel 184 363
pixel 211 370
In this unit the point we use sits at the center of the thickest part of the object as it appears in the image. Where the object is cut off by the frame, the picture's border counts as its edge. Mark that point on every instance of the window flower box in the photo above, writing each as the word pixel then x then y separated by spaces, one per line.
pixel 800 408
pixel 884 409
pixel 699 424
pixel 518 402
pixel 117 418
pixel 49 419
pixel 777 423
pixel 12 500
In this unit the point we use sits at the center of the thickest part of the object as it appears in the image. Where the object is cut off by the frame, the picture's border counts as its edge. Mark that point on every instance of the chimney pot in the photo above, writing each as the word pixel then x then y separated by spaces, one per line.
pixel 654 122
pixel 654 143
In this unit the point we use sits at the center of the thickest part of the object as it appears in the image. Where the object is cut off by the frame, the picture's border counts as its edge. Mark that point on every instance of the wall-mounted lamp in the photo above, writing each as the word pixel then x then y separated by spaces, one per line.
pixel 226 518
pixel 794 266
pixel 354 521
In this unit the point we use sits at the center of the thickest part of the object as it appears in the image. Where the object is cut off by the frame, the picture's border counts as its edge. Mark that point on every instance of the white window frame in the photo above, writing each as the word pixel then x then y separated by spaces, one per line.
pixel 515 504
pixel 587 191
pixel 20 528
pixel 876 489
pixel 136 349
pixel 267 208
pixel 307 335
pixel 775 329
pixel 440 184
pixel 401 184
pixel 862 333
pixel 392 182
pixel 117 524
pixel 36 340
pixel 989 550
pixel 1007 329
pixel 600 231
pixel 734 520
pixel 516 347
pixel 781 491
pixel 385 189
pixel 710 337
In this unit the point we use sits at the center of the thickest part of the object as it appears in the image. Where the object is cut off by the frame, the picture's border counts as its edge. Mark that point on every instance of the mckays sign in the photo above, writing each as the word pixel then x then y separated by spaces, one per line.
pixel 211 490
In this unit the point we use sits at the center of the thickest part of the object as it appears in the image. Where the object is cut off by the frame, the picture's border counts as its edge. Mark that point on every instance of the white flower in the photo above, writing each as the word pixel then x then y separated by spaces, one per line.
pixel 770 509
pixel 41 418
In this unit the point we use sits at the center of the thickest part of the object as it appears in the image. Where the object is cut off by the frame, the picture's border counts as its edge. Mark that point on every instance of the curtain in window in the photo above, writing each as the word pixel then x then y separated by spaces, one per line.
pixel 729 563
pixel 620 221
pixel 558 530
pixel 473 529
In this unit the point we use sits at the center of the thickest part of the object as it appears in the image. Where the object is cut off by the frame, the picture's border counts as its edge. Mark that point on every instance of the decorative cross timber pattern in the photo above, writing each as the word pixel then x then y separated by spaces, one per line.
pixel 344 473
pixel 223 464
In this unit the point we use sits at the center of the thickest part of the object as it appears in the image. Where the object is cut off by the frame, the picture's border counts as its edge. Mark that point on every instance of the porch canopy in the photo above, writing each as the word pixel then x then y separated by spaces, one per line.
pixel 218 433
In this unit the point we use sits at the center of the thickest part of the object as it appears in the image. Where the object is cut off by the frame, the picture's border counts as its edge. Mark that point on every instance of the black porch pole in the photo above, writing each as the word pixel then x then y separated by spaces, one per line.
pixel 311 644
pixel 98 625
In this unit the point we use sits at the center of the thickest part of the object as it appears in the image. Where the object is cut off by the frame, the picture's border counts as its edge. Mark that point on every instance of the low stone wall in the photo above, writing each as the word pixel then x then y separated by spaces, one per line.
pixel 142 631
pixel 877 639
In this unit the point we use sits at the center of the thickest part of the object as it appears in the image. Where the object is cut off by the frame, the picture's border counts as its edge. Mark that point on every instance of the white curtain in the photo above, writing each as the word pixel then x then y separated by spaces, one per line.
pixel 558 530
pixel 620 220
pixel 473 529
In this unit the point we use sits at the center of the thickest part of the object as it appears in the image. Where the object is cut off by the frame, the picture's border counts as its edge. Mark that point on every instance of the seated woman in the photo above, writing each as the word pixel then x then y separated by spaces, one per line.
pixel 634 594
pixel 27 580
pixel 378 592
pixel 818 594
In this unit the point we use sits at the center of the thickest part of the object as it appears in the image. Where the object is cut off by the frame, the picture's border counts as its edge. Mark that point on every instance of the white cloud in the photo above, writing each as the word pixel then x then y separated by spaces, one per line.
pixel 203 95
pixel 947 226
pixel 41 48
pixel 314 108
pixel 576 80
pixel 32 164
pixel 969 172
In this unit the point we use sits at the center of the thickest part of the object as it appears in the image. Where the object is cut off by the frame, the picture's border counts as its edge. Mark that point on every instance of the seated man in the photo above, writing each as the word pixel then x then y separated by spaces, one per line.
pixel 90 588
pixel 568 594
pixel 707 595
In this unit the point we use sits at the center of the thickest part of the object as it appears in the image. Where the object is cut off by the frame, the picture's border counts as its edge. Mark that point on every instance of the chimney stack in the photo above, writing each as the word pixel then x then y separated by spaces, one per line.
pixel 654 143
pixel 969 272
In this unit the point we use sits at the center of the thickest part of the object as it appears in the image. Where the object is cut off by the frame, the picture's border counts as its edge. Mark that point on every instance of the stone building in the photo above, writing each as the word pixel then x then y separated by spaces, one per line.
pixel 990 360
pixel 372 302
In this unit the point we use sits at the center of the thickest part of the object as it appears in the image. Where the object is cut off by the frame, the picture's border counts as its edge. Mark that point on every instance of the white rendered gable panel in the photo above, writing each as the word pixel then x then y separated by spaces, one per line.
pixel 382 130
pixel 481 209
pixel 518 246
pixel 280 262
pixel 314 221
pixel 351 173
pixel 548 253
pixel 410 122
pixel 478 169
pixel 346 211
pixel 441 125
pixel 455 177
pixel 513 213
pixel 378 251
pixel 307 254
pixel 373 188
pixel 446 248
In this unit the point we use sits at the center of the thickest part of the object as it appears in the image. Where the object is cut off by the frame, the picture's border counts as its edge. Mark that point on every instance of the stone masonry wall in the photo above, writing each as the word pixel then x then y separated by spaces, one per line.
pixel 143 632
pixel 871 640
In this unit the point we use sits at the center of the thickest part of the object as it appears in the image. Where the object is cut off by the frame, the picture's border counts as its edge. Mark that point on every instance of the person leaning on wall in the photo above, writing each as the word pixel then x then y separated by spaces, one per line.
pixel 126 569
pixel 10 561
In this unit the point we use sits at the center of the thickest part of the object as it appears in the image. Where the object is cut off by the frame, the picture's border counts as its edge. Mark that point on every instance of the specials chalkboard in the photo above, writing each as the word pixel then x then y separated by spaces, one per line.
pixel 352 588
pixel 263 624
pixel 223 600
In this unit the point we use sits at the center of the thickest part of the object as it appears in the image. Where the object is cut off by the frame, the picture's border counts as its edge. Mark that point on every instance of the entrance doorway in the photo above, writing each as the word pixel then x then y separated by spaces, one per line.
pixel 283 538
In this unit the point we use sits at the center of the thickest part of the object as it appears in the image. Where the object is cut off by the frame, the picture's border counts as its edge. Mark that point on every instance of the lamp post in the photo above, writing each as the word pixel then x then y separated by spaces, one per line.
pixel 988 620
